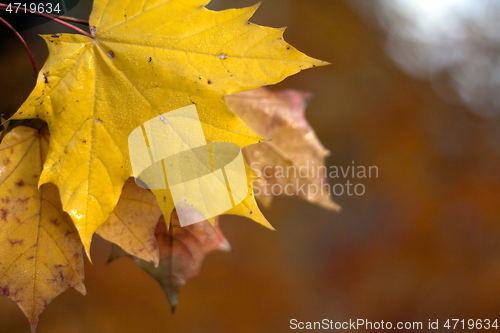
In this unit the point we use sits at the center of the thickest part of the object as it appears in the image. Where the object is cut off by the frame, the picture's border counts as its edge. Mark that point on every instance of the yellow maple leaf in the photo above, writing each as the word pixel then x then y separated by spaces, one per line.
pixel 40 251
pixel 146 58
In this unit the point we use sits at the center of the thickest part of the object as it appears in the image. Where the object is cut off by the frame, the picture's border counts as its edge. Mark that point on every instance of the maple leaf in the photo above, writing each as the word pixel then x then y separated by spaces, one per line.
pixel 146 59
pixel 294 155
pixel 182 250
pixel 132 223
pixel 40 251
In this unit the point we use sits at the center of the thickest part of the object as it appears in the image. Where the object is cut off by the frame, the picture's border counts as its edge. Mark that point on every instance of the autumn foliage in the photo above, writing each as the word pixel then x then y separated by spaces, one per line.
pixel 64 182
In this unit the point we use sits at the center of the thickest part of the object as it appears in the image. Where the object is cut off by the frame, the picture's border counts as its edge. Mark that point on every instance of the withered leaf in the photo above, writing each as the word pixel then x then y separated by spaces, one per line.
pixel 182 250
pixel 293 160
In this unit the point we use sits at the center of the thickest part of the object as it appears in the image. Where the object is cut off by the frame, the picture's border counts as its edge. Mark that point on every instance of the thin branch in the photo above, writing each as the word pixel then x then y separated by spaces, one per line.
pixel 24 43
pixel 69 19
pixel 25 10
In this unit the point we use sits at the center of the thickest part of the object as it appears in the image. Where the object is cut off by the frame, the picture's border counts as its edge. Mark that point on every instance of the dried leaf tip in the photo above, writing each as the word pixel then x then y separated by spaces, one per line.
pixel 173 298
pixel 225 246
pixel 33 325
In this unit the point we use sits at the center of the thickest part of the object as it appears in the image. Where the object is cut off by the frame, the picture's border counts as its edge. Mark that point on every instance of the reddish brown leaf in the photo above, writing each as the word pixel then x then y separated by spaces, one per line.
pixel 182 250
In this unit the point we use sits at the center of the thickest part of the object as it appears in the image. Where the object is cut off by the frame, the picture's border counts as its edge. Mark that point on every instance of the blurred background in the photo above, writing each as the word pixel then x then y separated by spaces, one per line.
pixel 412 89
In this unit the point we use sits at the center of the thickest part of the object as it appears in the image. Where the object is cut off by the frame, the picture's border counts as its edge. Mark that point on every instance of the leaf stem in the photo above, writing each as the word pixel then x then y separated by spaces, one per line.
pixel 24 43
pixel 70 19
pixel 50 17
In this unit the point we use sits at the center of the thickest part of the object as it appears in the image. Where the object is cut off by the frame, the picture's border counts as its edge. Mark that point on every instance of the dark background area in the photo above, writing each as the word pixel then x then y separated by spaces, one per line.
pixel 422 243
pixel 22 22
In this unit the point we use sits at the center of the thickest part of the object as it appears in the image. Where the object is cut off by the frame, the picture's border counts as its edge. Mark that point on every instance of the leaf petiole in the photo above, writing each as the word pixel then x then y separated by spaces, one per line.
pixel 50 17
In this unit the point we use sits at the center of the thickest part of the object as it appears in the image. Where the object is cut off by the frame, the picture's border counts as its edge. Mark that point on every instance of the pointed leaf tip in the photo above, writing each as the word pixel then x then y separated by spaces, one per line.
pixel 182 251
pixel 86 246
pixel 225 246
pixel 173 306
pixel 33 325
